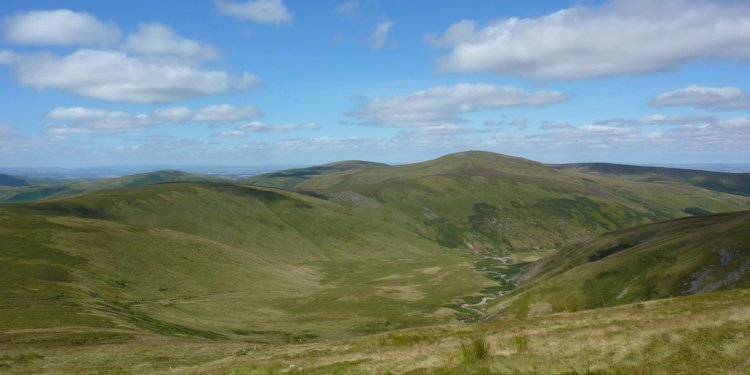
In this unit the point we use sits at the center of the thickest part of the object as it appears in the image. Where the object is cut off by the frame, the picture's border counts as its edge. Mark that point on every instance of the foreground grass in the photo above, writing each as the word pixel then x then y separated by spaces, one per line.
pixel 702 334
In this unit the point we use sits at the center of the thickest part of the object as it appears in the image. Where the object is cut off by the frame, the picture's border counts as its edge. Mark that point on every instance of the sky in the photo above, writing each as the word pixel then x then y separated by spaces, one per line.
pixel 297 82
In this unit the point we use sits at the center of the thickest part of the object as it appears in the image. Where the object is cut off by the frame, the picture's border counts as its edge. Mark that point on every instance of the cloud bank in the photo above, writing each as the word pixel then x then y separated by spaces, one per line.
pixel 620 37
pixel 442 104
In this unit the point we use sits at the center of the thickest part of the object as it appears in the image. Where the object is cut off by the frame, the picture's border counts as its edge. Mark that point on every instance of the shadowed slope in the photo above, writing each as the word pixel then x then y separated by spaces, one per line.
pixel 672 258
pixel 32 193
pixel 733 183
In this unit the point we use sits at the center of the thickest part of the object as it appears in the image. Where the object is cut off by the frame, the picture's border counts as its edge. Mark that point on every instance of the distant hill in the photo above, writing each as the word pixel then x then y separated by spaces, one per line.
pixel 733 183
pixel 490 202
pixel 31 193
pixel 290 178
pixel 672 258
pixel 8 180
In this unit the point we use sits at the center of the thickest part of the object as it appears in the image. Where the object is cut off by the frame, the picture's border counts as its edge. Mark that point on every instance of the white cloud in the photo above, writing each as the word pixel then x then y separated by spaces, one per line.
pixel 710 98
pixel 225 113
pixel 347 8
pixel 718 136
pixel 59 27
pixel 172 115
pixel 620 37
pixel 7 57
pixel 157 40
pixel 261 11
pixel 659 119
pixel 115 76
pixel 440 105
pixel 259 127
pixel 80 120
pixel 380 35
pixel 520 122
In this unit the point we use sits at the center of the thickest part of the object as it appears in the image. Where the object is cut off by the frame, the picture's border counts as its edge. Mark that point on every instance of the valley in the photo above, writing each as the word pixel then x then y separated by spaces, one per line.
pixel 360 267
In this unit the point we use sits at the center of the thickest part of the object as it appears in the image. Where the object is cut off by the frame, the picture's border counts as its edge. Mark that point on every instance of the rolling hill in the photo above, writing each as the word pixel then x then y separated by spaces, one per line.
pixel 494 203
pixel 733 183
pixel 291 178
pixel 8 180
pixel 217 270
pixel 32 193
pixel 672 258
pixel 219 260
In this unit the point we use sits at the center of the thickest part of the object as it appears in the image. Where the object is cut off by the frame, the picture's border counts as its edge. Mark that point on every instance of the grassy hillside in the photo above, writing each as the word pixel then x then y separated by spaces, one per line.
pixel 220 261
pixel 8 180
pixel 290 178
pixel 494 203
pixel 701 334
pixel 31 193
pixel 678 257
pixel 733 183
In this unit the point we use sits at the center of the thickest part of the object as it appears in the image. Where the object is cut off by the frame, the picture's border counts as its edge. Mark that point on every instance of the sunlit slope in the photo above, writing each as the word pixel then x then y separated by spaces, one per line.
pixel 290 178
pixel 677 257
pixel 31 193
pixel 220 260
pixel 486 201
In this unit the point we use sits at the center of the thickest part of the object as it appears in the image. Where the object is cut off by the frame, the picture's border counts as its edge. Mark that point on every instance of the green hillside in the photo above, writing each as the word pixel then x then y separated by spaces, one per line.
pixel 8 180
pixel 677 257
pixel 220 261
pixel 32 193
pixel 494 203
pixel 701 334
pixel 290 178
pixel 141 275
pixel 733 183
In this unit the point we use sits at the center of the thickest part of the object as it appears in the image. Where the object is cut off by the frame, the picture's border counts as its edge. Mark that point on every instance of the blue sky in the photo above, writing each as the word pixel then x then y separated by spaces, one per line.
pixel 280 82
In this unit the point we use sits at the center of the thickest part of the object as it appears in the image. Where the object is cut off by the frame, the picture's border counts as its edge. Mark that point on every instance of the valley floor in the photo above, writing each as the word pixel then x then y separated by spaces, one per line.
pixel 700 334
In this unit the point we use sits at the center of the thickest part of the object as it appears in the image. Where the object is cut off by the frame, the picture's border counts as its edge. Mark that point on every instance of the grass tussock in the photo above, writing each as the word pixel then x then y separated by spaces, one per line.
pixel 476 348
pixel 520 343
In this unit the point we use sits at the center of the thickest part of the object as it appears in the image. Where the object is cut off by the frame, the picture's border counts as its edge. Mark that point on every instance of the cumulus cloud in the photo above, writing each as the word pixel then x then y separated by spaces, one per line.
pixel 115 76
pixel 80 120
pixel 225 113
pixel 710 98
pixel 380 35
pixel 717 136
pixel 620 37
pixel 520 122
pixel 6 57
pixel 659 119
pixel 259 127
pixel 157 40
pixel 261 11
pixel 59 27
pixel 440 105
pixel 347 8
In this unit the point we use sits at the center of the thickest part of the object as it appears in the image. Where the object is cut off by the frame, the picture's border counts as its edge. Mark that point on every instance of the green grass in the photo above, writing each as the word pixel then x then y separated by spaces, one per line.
pixel 690 255
pixel 256 264
pixel 217 277
pixel 701 334
pixel 498 204
pixel 733 183
pixel 46 190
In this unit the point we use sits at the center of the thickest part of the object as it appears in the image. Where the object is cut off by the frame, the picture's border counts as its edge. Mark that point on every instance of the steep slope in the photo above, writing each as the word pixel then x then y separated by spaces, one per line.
pixel 677 257
pixel 219 260
pixel 733 183
pixel 31 193
pixel 8 180
pixel 290 178
pixel 493 203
